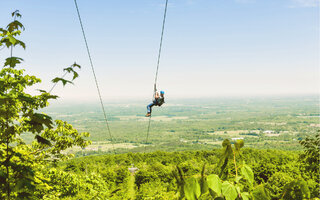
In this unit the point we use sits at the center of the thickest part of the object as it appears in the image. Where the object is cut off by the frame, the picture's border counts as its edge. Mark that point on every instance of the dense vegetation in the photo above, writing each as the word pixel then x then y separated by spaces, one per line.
pixel 34 163
pixel 23 166
pixel 163 175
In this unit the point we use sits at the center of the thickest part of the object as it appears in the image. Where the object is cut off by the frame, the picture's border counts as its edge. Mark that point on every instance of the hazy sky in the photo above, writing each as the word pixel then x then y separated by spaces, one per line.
pixel 211 47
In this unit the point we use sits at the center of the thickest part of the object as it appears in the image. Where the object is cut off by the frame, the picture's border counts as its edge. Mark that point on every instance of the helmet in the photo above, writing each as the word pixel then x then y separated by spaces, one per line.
pixel 161 92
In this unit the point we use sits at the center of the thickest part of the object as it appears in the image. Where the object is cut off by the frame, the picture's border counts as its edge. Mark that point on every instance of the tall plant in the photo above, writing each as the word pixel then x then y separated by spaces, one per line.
pixel 21 163
pixel 233 186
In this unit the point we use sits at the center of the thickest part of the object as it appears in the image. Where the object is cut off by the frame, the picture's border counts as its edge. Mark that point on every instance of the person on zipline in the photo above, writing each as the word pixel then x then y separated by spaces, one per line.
pixel 158 101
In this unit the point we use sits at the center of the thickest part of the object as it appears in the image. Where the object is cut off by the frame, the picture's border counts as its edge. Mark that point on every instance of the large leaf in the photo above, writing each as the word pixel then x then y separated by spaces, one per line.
pixel 245 196
pixel 192 189
pixel 15 25
pixel 13 61
pixel 247 172
pixel 214 183
pixel 37 121
pixel 43 119
pixel 229 191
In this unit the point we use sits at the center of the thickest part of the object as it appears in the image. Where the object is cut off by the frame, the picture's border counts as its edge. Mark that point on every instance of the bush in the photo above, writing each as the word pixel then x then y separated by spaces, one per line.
pixel 276 184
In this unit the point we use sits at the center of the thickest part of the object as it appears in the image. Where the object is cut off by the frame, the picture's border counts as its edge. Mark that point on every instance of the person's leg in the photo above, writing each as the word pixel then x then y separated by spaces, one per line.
pixel 149 109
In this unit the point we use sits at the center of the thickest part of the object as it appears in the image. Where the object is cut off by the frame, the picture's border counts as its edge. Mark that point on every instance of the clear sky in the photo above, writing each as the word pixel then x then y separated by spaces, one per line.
pixel 211 47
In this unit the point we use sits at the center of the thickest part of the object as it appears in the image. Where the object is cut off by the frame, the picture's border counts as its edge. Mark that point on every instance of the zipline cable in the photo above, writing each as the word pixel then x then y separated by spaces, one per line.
pixel 158 64
pixel 94 75
pixel 160 47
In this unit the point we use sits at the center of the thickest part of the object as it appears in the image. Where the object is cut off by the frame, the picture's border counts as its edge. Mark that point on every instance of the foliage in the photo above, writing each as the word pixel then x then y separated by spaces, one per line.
pixel 310 162
pixel 240 187
pixel 162 175
pixel 22 165
pixel 276 184
pixel 297 189
pixel 155 190
pixel 311 153
pixel 216 187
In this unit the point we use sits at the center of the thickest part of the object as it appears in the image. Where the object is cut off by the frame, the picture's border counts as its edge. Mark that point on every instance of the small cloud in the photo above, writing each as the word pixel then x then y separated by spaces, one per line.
pixel 305 3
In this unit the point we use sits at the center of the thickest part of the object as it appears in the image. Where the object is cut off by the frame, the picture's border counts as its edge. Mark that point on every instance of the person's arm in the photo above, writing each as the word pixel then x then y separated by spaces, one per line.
pixel 157 95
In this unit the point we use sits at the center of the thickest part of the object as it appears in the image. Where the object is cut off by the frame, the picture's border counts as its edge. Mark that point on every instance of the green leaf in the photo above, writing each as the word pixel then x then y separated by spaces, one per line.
pixel 68 69
pixel 43 119
pixel 238 189
pixel 75 75
pixel 27 99
pixel 76 65
pixel 13 61
pixel 247 172
pixel 16 13
pixel 229 191
pixel 64 81
pixel 42 140
pixel 15 25
pixel 37 121
pixel 42 91
pixel 22 44
pixel 214 183
pixel 192 189
pixel 71 70
pixel 12 40
pixel 245 196
pixel 238 178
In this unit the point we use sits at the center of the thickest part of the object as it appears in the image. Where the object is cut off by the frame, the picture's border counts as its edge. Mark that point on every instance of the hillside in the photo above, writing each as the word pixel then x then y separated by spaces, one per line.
pixel 108 176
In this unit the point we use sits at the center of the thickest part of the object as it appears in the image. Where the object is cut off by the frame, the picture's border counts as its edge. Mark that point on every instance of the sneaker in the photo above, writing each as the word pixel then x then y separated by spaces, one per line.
pixel 148 114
